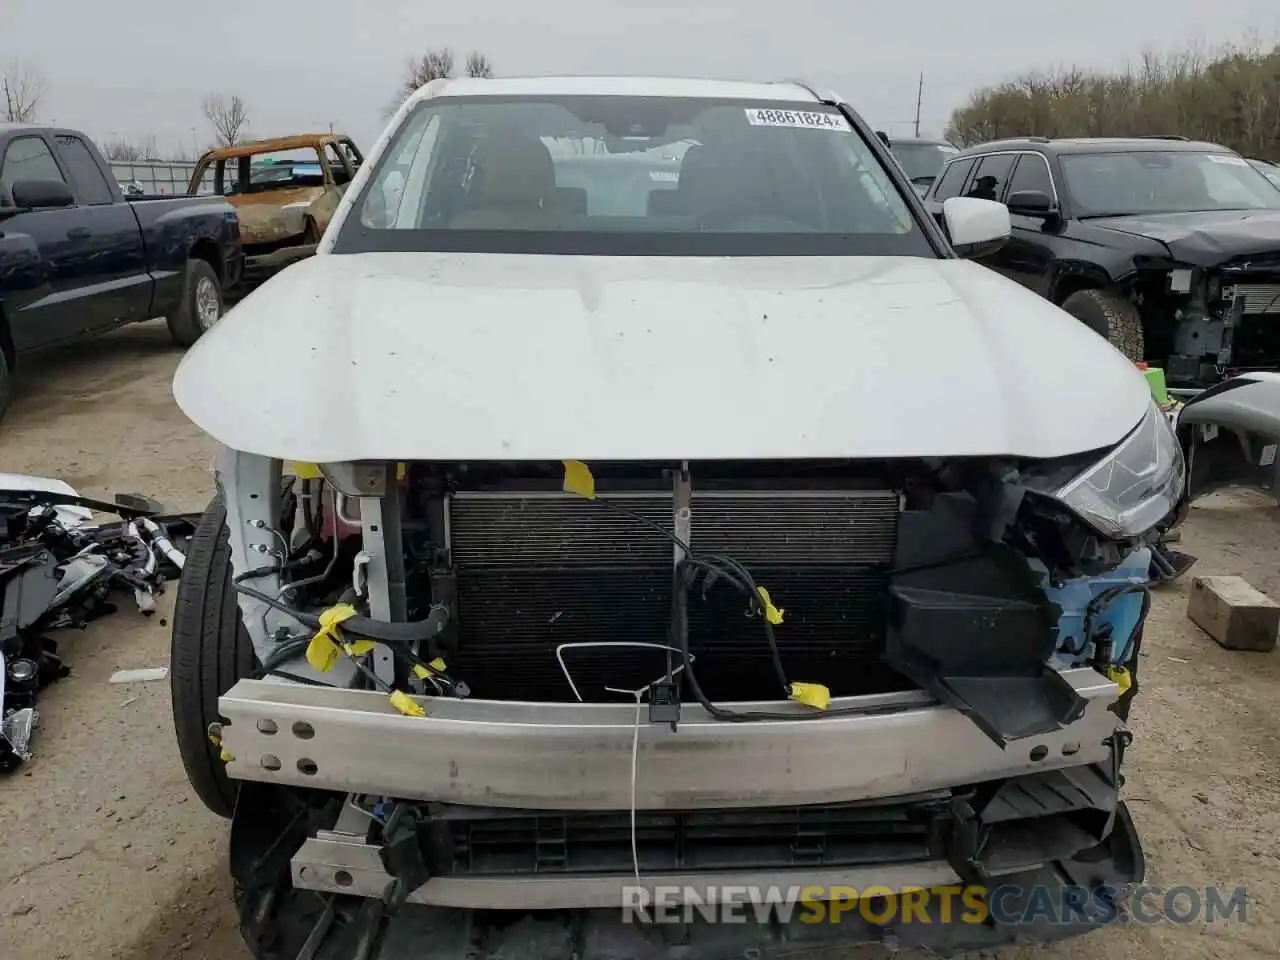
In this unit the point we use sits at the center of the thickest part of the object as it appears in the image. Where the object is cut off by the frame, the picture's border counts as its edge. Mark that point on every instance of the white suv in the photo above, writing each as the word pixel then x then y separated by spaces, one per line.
pixel 639 489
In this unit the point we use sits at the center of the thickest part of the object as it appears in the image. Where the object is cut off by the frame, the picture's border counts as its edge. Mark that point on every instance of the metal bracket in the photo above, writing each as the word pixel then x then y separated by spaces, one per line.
pixel 251 492
pixel 384 569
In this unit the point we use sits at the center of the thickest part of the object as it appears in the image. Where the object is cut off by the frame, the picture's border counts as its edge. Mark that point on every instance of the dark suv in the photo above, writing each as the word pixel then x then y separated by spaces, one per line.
pixel 1168 247
pixel 922 160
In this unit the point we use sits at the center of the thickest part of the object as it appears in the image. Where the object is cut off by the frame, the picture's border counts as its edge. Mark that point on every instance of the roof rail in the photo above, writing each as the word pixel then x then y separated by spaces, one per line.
pixel 1164 136
pixel 821 95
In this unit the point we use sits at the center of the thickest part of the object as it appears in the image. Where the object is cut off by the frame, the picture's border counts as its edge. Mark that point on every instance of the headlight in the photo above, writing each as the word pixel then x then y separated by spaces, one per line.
pixel 1133 487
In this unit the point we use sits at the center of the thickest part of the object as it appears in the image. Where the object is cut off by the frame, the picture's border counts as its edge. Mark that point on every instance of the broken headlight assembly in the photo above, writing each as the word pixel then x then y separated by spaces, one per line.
pixel 1134 486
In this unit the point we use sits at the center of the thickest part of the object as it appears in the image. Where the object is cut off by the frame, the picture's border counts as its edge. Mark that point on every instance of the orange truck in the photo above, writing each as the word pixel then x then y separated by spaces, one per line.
pixel 285 190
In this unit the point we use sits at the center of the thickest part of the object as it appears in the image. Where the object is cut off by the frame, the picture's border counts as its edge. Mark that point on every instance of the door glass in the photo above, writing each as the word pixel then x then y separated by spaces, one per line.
pixel 952 179
pixel 86 177
pixel 28 158
pixel 1032 173
pixel 991 177
pixel 351 152
pixel 337 167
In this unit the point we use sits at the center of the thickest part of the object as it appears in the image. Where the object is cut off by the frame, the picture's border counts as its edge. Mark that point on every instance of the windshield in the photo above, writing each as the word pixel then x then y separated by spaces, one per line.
pixel 630 175
pixel 923 161
pixel 1270 171
pixel 1111 184
pixel 267 172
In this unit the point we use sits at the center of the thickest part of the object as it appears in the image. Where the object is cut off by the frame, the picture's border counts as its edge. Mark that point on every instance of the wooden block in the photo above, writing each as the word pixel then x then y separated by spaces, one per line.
pixel 1234 613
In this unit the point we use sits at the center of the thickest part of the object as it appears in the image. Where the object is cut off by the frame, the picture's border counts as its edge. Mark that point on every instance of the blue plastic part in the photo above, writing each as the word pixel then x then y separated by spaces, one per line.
pixel 1121 613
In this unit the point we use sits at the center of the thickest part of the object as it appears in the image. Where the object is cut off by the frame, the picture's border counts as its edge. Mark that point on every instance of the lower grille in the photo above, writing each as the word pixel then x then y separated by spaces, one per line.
pixel 538 570
pixel 828 835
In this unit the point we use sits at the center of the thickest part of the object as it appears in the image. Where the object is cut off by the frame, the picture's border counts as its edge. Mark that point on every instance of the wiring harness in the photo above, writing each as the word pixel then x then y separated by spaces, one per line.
pixel 706 570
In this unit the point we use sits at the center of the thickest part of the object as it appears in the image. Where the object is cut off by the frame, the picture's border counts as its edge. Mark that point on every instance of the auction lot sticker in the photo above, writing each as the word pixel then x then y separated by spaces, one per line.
pixel 810 119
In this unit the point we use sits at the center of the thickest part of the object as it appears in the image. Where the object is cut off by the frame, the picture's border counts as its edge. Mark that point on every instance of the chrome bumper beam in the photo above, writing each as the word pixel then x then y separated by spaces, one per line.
pixel 549 756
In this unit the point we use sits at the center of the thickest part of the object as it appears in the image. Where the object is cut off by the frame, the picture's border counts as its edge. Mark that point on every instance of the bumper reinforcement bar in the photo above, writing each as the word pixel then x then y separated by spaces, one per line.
pixel 554 756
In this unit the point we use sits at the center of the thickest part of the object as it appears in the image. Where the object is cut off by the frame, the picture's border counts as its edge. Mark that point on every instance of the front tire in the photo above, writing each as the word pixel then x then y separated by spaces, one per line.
pixel 201 304
pixel 1112 317
pixel 210 651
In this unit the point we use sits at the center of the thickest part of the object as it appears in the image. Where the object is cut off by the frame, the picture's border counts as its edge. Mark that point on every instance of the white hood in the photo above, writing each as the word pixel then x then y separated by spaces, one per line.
pixel 509 357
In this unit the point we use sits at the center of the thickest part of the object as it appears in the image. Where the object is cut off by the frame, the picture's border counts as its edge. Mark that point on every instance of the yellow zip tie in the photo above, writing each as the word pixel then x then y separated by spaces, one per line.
pixel 425 673
pixel 323 652
pixel 811 695
pixel 405 704
pixel 771 613
pixel 578 479
pixel 1120 676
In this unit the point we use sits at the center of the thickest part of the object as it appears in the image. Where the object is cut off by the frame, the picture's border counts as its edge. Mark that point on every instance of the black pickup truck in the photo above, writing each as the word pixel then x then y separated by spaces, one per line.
pixel 78 259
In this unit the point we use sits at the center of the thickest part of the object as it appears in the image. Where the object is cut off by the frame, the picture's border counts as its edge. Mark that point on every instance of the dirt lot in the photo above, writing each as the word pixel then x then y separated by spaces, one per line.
pixel 104 852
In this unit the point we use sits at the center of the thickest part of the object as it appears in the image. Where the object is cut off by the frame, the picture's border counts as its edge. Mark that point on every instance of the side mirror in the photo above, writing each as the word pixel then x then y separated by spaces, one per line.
pixel 975 227
pixel 1031 203
pixel 40 194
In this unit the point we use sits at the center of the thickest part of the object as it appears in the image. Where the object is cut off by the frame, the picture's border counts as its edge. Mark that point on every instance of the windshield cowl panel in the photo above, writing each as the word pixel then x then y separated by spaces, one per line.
pixel 1140 182
pixel 616 175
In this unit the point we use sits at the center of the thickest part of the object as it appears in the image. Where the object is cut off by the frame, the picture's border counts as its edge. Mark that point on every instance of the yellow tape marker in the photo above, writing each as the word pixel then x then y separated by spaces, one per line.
pixel 303 471
pixel 311 471
pixel 1120 677
pixel 771 613
pixel 578 479
pixel 323 652
pixel 811 695
pixel 435 666
pixel 402 702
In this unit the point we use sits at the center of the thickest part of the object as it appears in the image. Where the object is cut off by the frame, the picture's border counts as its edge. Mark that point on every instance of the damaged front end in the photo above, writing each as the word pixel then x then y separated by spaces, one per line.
pixel 533 686
pixel 1211 322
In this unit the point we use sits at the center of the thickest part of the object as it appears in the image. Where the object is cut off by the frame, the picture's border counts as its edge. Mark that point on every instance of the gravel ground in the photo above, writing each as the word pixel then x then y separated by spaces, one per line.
pixel 107 854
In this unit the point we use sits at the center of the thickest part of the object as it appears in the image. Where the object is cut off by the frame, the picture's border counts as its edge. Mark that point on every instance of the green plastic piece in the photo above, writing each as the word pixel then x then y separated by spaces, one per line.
pixel 1155 380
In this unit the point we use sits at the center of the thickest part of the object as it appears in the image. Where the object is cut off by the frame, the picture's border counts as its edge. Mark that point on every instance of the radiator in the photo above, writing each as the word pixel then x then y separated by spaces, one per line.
pixel 537 570
pixel 1259 298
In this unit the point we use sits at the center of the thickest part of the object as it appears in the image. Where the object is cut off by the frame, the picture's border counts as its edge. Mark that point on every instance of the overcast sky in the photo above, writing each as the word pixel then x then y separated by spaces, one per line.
pixel 128 68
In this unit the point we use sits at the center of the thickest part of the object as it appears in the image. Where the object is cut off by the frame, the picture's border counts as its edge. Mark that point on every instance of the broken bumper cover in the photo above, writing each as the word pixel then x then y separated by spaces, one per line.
pixel 1039 817
pixel 552 756
pixel 1018 916
pixel 717 916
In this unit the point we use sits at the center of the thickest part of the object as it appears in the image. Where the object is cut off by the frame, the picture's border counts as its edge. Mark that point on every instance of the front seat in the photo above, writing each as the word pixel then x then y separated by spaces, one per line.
pixel 515 187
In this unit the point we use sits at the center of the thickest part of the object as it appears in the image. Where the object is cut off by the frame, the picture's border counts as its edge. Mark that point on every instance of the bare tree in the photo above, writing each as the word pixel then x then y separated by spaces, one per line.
pixel 478 65
pixel 228 118
pixel 144 149
pixel 22 88
pixel 435 65
pixel 1230 96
